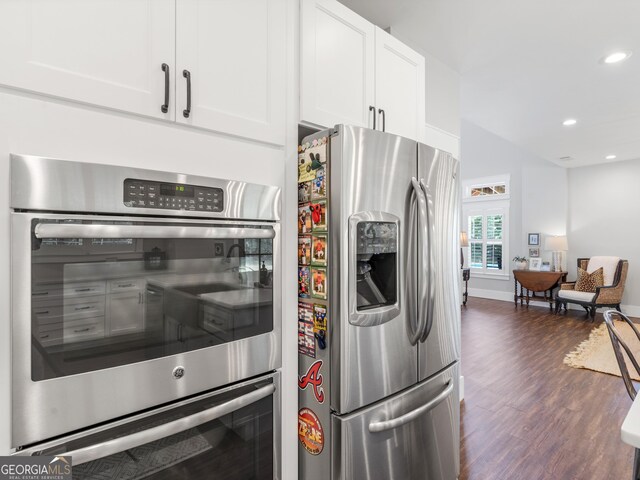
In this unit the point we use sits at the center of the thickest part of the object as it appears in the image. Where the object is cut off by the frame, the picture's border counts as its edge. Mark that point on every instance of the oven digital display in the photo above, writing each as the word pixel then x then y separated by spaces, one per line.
pixel 175 190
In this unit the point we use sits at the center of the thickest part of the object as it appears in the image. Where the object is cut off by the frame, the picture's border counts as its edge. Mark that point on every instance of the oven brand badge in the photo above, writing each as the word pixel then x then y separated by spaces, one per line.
pixel 310 431
pixel 313 378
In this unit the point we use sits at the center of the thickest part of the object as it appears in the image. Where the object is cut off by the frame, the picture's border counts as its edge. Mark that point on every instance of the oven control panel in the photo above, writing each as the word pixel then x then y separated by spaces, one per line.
pixel 172 196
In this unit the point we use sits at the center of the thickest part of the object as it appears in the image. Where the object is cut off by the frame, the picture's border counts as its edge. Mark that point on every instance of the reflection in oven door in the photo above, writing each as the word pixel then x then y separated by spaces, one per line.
pixel 232 434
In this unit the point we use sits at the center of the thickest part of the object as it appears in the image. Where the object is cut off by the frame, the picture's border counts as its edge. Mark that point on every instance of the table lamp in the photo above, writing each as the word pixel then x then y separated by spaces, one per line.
pixel 557 244
pixel 464 242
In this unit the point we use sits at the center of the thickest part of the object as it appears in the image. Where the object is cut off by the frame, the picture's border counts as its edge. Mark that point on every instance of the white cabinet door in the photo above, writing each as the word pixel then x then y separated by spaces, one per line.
pixel 102 52
pixel 336 65
pixel 125 312
pixel 234 51
pixel 400 87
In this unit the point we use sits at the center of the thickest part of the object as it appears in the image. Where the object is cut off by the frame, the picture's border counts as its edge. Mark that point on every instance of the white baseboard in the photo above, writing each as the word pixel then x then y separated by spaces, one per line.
pixel 631 310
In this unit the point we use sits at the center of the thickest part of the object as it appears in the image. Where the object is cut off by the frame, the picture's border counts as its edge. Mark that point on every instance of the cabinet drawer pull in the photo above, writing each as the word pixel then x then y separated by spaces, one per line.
pixel 44 336
pixel 186 112
pixel 88 307
pixel 165 107
pixel 42 313
pixel 123 285
pixel 80 330
pixel 373 109
pixel 84 289
pixel 39 294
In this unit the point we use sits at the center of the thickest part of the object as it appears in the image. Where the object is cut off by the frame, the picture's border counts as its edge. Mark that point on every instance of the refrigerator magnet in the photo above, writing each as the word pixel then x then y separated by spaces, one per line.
pixel 310 431
pixel 306 340
pixel 304 281
pixel 305 172
pixel 319 250
pixel 319 318
pixel 319 283
pixel 319 215
pixel 304 250
pixel 304 219
pixel 319 184
pixel 304 192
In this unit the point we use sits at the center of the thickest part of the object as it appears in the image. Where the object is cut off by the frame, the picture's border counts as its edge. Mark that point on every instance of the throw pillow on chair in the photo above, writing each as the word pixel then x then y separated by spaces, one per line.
pixel 588 282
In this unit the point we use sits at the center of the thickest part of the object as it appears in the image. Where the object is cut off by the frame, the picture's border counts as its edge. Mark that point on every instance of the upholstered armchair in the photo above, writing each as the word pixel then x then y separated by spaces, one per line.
pixel 614 272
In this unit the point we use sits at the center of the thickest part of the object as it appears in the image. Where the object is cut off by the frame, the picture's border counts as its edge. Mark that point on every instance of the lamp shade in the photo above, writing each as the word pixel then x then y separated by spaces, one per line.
pixel 556 243
pixel 464 240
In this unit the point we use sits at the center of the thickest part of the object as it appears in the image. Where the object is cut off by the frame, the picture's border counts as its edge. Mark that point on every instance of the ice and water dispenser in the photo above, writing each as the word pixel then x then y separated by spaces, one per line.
pixel 376 264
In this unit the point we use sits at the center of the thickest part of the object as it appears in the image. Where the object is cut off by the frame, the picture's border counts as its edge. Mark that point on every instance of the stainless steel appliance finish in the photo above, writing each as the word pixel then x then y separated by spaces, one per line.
pixel 390 368
pixel 79 355
pixel 411 435
pixel 96 188
pixel 369 181
pixel 440 345
pixel 186 438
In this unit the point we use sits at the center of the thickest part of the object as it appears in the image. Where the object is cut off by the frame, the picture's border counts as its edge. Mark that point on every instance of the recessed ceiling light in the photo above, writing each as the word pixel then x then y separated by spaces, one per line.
pixel 610 157
pixel 616 57
pixel 569 122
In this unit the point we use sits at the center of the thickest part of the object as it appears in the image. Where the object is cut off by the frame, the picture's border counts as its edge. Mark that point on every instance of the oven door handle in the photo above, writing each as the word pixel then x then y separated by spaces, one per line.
pixel 110 447
pixel 94 230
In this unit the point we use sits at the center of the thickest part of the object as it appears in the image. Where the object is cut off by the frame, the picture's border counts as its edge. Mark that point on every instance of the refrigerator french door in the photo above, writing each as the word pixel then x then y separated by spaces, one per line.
pixel 229 434
pixel 390 366
pixel 119 306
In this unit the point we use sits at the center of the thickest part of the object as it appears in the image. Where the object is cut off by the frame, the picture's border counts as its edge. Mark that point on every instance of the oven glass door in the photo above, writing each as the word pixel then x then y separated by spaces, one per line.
pixel 228 436
pixel 110 292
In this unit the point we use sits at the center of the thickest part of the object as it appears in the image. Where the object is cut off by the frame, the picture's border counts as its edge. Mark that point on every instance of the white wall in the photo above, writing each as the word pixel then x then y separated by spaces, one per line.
pixel 538 195
pixel 604 219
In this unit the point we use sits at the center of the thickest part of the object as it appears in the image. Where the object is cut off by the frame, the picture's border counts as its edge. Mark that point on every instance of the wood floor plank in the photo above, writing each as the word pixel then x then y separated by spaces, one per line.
pixel 526 415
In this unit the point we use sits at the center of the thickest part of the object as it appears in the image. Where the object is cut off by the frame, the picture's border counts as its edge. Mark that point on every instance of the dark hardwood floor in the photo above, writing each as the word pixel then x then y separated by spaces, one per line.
pixel 526 415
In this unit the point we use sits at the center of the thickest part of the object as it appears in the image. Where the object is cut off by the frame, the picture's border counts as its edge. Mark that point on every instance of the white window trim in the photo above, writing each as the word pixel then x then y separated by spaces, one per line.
pixel 478 206
pixel 468 185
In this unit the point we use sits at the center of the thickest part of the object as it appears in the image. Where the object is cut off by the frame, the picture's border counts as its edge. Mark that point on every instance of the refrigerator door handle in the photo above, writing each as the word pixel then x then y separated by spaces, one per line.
pixel 430 262
pixel 382 426
pixel 422 300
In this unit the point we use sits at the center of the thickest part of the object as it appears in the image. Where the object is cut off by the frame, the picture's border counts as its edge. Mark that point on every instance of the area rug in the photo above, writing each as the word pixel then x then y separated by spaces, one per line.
pixel 596 352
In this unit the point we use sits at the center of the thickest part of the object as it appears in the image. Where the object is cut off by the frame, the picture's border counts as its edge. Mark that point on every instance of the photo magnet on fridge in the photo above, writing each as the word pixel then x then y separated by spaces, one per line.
pixel 319 185
pixel 306 339
pixel 319 318
pixel 304 282
pixel 304 192
pixel 304 219
pixel 319 283
pixel 319 250
pixel 304 250
pixel 319 215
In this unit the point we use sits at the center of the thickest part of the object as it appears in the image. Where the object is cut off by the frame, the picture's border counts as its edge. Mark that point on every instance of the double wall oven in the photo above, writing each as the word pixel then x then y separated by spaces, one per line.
pixel 145 318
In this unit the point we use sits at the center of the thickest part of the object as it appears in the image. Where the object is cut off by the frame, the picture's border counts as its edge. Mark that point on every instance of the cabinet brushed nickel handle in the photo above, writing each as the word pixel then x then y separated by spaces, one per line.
pixel 186 112
pixel 84 308
pixel 39 294
pixel 83 289
pixel 373 109
pixel 80 330
pixel 42 313
pixel 123 285
pixel 384 119
pixel 165 106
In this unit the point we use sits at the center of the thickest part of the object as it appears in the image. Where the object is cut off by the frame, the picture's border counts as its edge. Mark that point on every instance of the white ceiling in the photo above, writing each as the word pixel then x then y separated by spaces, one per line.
pixel 528 65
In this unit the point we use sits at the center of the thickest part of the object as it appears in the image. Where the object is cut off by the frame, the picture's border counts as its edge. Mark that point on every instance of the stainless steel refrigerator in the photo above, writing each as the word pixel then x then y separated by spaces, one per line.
pixel 379 319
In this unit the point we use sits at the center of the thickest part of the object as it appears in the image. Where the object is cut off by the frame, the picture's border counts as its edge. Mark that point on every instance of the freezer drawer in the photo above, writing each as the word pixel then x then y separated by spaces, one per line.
pixel 412 435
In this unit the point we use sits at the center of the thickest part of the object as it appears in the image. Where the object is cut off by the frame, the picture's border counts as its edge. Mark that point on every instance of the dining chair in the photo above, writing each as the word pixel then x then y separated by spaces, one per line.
pixel 618 345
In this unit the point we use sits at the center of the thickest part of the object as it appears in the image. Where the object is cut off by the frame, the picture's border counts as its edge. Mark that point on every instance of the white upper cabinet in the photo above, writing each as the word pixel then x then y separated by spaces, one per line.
pixel 337 65
pixel 353 72
pixel 400 87
pixel 235 54
pixel 102 52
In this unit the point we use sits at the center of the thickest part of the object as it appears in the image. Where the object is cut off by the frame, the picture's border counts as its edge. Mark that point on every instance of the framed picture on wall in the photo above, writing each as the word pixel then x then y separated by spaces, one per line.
pixel 534 239
pixel 534 252
pixel 535 264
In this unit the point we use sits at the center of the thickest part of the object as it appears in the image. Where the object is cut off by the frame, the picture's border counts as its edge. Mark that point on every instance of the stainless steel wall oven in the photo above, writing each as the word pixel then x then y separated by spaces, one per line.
pixel 134 288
